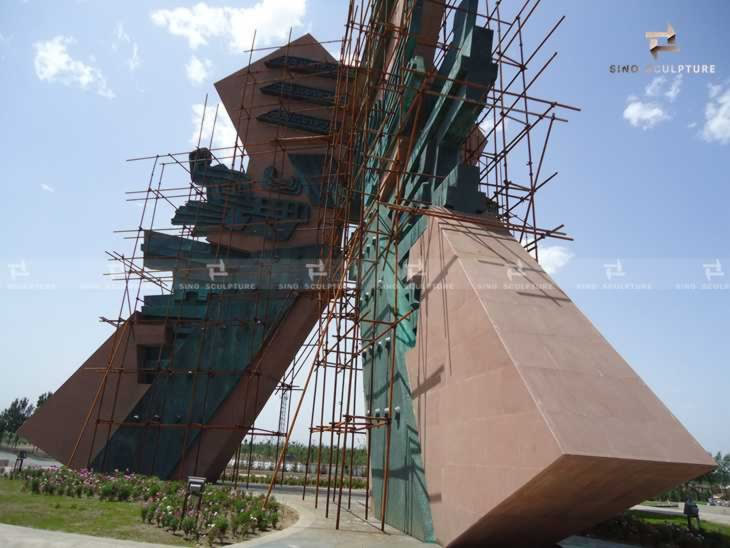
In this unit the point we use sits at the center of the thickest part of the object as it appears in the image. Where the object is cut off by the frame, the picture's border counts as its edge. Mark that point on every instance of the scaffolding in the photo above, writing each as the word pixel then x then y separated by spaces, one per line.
pixel 508 144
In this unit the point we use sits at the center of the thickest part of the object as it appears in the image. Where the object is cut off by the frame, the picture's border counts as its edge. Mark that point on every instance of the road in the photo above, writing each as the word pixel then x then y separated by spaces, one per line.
pixel 713 514
pixel 30 460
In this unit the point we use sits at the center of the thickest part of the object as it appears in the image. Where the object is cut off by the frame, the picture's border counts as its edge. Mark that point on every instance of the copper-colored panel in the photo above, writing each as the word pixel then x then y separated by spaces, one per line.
pixel 267 145
pixel 522 406
pixel 55 427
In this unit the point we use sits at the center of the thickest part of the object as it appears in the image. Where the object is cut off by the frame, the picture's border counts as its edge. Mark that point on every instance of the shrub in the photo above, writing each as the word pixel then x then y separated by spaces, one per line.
pixel 188 526
pixel 223 513
pixel 108 491
pixel 151 511
pixel 274 518
pixel 221 524
pixel 152 490
pixel 241 523
pixel 262 519
pixel 124 492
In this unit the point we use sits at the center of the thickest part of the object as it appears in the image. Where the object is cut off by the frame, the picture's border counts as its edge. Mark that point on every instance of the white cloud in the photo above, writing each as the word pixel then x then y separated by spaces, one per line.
pixel 674 88
pixel 554 258
pixel 198 70
pixel 647 114
pixel 717 116
pixel 655 86
pixel 270 19
pixel 54 64
pixel 121 36
pixel 47 188
pixel 134 61
pixel 644 114
pixel 488 123
pixel 225 133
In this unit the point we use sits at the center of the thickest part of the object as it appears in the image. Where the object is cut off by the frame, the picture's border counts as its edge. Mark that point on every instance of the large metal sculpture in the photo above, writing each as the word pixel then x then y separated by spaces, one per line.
pixel 490 400
pixel 185 376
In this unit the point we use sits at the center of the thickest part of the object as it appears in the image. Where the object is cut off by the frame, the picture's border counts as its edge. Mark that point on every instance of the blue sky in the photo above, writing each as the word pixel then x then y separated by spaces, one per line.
pixel 644 178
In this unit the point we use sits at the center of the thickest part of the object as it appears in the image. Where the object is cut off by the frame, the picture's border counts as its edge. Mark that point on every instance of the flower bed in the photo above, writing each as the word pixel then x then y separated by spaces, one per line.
pixel 224 514
pixel 118 486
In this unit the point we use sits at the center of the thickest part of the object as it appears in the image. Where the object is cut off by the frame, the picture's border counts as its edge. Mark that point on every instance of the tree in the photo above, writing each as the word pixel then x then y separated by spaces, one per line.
pixel 43 398
pixel 723 468
pixel 720 475
pixel 14 416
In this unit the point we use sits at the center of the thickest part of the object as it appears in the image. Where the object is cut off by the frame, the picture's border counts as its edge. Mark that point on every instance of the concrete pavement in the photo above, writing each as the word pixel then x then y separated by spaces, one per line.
pixel 312 530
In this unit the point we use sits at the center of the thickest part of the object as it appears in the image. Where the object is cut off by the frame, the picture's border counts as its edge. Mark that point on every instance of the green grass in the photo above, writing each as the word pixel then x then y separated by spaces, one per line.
pixel 655 518
pixel 87 516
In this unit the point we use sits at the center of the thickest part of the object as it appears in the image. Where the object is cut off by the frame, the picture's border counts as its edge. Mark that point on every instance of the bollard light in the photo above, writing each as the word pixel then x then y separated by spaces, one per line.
pixel 196 485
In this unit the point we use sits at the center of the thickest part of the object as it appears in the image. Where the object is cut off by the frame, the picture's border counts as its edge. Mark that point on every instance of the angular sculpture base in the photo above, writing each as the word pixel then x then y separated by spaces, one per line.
pixel 532 426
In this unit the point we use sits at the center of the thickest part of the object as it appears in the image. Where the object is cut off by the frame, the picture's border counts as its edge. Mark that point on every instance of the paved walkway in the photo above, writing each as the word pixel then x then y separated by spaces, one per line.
pixel 312 530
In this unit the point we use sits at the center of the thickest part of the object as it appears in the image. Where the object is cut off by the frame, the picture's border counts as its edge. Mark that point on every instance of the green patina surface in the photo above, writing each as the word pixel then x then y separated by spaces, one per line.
pixel 385 296
pixel 216 322
pixel 217 352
